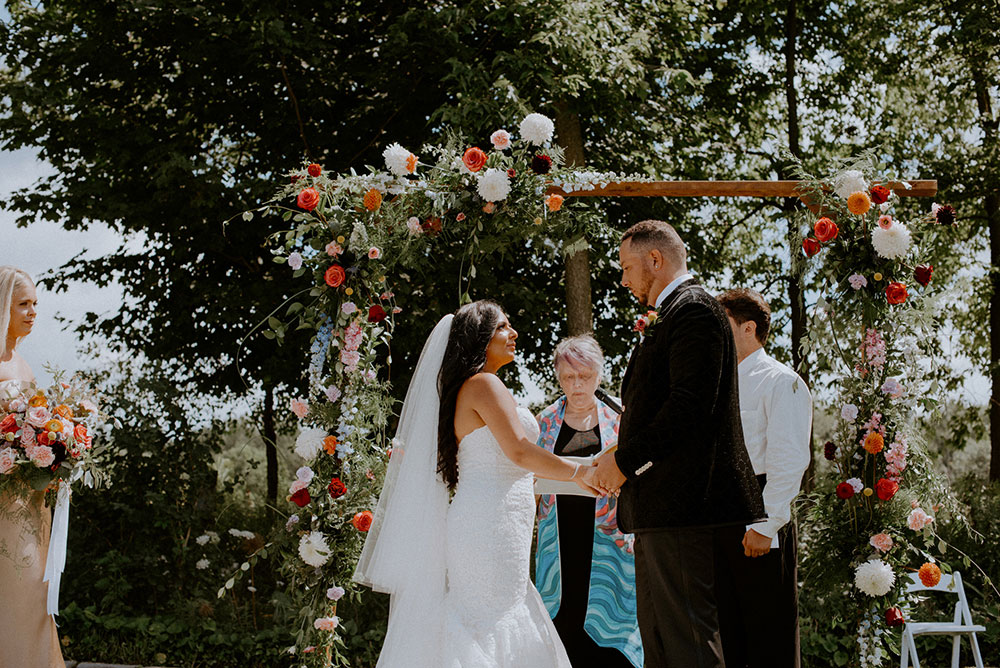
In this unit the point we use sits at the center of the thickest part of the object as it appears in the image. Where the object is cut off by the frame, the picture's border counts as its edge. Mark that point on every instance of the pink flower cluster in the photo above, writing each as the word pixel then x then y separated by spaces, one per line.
pixel 918 519
pixel 352 341
pixel 895 457
pixel 881 542
pixel 873 349
pixel 874 424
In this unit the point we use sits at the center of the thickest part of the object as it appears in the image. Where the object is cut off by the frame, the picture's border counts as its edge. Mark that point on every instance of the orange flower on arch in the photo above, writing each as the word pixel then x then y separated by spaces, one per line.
pixel 859 203
pixel 874 443
pixel 373 199
pixel 554 202
pixel 330 445
pixel 929 574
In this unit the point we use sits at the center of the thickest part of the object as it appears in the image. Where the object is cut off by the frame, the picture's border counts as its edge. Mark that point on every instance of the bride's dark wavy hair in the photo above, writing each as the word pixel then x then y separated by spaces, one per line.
pixel 465 356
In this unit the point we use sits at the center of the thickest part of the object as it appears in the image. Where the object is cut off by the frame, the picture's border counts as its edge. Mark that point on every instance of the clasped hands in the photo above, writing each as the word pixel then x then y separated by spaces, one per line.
pixel 602 478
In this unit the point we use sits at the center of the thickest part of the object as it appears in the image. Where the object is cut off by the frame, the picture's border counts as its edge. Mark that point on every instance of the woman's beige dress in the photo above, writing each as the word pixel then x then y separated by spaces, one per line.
pixel 28 637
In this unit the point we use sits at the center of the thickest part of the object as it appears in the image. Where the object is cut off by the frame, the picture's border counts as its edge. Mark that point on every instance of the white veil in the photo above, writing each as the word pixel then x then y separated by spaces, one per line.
pixel 404 552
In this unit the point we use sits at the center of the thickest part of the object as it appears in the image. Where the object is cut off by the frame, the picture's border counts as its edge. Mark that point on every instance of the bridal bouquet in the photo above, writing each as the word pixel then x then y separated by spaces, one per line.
pixel 46 436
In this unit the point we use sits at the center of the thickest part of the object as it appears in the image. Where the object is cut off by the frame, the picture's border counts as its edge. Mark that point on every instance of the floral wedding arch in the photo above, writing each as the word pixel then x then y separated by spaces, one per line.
pixel 352 233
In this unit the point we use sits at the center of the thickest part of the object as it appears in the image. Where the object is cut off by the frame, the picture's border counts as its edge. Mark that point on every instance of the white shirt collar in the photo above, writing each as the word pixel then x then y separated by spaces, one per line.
pixel 671 287
pixel 753 358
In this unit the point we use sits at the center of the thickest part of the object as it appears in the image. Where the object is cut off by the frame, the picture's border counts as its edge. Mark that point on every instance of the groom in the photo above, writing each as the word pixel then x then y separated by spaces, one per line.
pixel 686 480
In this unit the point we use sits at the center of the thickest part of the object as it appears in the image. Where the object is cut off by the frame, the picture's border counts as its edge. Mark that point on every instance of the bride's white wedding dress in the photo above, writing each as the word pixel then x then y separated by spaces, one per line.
pixel 495 617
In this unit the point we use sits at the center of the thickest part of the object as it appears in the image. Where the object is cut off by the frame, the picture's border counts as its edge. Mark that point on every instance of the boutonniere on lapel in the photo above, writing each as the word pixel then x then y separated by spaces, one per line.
pixel 646 322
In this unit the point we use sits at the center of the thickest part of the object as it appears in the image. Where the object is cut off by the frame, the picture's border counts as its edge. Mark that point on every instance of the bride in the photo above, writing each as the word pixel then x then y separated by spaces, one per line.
pixel 458 571
pixel 30 637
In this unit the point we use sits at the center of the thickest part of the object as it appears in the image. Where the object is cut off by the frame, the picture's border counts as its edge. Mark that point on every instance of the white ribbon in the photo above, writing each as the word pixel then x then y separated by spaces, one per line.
pixel 55 561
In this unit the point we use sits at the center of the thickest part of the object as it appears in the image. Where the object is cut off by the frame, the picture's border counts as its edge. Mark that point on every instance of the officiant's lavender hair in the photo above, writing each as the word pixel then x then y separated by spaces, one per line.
pixel 471 331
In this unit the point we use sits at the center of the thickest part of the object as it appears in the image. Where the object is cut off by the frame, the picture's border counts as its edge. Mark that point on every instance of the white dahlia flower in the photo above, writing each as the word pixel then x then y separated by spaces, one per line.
pixel 537 129
pixel 850 182
pixel 494 185
pixel 398 160
pixel 313 549
pixel 874 577
pixel 309 443
pixel 892 243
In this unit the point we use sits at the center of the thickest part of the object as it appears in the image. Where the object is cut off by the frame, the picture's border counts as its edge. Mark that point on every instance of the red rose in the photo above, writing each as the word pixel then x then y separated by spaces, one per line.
pixel 541 164
pixel 334 276
pixel 825 230
pixel 894 617
pixel 43 438
pixel 432 226
pixel 308 199
pixel 879 194
pixel 474 159
pixel 886 489
pixel 896 293
pixel 301 498
pixel 922 274
pixel 363 520
pixel 511 172
pixel 81 436
pixel 9 424
pixel 337 488
pixel 810 246
pixel 844 490
pixel 640 325
pixel 314 169
pixel 376 314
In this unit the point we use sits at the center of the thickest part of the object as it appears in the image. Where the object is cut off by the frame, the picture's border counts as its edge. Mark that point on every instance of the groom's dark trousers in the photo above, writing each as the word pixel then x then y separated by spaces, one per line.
pixel 690 484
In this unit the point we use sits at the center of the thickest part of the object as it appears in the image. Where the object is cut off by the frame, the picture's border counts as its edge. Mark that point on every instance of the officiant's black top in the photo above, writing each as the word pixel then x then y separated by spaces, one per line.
pixel 682 414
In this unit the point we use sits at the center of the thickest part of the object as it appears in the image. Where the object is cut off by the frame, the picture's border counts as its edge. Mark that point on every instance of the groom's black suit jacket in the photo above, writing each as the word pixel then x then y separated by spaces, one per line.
pixel 682 414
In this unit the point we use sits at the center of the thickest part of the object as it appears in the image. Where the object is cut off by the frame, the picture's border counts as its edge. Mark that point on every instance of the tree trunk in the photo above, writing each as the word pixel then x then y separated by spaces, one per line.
pixel 991 203
pixel 796 299
pixel 579 304
pixel 270 445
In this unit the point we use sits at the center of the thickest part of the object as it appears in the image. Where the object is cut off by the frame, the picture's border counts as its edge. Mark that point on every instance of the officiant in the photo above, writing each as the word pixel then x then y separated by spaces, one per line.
pixel 584 566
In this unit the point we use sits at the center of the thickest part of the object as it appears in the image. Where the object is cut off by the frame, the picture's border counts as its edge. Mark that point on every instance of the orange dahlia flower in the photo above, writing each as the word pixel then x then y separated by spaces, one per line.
pixel 859 203
pixel 929 574
pixel 373 199
pixel 874 443
pixel 330 445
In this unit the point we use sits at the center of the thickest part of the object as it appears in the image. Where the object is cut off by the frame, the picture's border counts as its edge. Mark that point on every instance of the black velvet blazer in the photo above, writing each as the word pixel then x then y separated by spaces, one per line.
pixel 680 441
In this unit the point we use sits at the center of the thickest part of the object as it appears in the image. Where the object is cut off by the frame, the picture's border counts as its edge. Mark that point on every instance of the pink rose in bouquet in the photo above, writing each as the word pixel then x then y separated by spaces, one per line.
pixel 7 460
pixel 37 416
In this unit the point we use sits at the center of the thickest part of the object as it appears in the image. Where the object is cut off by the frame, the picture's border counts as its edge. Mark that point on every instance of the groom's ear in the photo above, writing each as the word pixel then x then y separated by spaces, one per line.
pixel 656 258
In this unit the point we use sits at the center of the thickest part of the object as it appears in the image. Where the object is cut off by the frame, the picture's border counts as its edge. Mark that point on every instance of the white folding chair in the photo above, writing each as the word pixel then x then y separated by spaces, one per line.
pixel 960 626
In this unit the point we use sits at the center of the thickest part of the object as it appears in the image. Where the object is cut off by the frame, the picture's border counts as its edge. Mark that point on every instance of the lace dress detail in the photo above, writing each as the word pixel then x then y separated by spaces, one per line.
pixel 495 616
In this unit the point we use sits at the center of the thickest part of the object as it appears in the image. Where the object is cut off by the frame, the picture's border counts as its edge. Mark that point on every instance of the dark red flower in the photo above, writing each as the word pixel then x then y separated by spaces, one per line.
pixel 432 226
pixel 337 488
pixel 314 169
pixel 825 230
pixel 334 276
pixel 845 490
pixel 945 215
pixel 511 172
pixel 376 313
pixel 894 617
pixel 301 498
pixel 886 489
pixel 829 450
pixel 810 246
pixel 895 292
pixel 922 274
pixel 541 164
pixel 880 194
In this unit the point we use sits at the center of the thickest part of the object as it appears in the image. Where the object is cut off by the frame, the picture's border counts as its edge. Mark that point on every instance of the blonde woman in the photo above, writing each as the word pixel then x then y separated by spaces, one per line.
pixel 30 638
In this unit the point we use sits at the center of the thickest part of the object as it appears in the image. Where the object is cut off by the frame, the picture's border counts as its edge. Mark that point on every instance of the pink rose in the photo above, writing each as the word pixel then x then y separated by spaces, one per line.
pixel 17 405
pixel 335 593
pixel 42 456
pixel 918 519
pixel 295 260
pixel 333 249
pixel 7 460
pixel 374 253
pixel 296 486
pixel 300 408
pixel 326 623
pixel 500 139
pixel 413 225
pixel 38 416
pixel 28 437
pixel 881 542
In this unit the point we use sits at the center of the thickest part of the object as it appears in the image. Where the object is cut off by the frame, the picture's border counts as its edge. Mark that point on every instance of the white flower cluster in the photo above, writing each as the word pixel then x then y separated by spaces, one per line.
pixel 494 185
pixel 849 182
pixel 239 533
pixel 537 129
pixel 874 577
pixel 313 549
pixel 892 243
pixel 397 160
pixel 207 537
pixel 309 443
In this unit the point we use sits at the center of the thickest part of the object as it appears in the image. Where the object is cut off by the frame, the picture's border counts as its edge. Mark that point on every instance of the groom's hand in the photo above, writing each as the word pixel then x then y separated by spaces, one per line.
pixel 586 481
pixel 755 544
pixel 607 476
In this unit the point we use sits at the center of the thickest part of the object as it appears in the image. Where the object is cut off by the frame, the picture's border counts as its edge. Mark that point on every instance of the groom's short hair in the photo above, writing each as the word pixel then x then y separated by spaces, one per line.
pixel 649 234
pixel 744 304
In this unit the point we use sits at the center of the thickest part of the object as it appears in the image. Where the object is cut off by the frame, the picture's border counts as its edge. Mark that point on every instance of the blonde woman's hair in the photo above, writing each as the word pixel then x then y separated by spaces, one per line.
pixel 10 278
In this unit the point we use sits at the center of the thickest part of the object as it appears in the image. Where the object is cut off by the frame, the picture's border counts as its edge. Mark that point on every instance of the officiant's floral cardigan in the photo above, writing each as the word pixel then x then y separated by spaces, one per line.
pixel 611 609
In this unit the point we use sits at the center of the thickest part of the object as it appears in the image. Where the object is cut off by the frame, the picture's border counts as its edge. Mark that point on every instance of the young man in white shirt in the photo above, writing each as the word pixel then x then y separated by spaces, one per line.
pixel 757 590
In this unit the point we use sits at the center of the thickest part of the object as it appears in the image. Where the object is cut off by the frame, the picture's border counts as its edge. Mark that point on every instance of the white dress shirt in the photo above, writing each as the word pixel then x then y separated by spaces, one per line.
pixel 671 286
pixel 776 411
